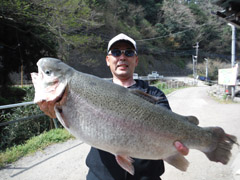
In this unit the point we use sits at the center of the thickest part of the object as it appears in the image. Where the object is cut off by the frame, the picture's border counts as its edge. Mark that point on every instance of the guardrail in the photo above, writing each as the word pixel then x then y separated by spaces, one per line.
pixel 20 119
pixel 16 105
pixel 150 78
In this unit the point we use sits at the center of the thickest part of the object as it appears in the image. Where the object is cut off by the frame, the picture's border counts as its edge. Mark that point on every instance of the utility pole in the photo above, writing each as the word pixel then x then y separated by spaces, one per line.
pixel 233 53
pixel 195 61
pixel 206 59
pixel 233 45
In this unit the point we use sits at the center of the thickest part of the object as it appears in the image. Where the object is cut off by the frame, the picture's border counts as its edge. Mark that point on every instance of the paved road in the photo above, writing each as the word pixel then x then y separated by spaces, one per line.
pixel 67 161
pixel 195 101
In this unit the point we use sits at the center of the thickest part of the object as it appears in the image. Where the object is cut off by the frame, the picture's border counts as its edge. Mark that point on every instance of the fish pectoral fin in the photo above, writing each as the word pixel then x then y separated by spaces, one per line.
pixel 178 161
pixel 126 163
pixel 147 97
pixel 60 116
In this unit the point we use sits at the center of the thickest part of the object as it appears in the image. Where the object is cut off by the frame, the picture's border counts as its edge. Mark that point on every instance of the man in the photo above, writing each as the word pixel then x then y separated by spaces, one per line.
pixel 122 59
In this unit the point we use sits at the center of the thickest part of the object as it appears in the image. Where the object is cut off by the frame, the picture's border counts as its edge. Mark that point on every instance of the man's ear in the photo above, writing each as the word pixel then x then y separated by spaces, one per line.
pixel 107 60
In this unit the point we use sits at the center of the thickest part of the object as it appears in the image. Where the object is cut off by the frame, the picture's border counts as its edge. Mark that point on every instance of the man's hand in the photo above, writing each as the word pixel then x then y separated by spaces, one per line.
pixel 48 108
pixel 181 148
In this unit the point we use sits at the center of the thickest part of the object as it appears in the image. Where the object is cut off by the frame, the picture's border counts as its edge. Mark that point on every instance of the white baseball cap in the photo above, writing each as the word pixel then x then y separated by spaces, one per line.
pixel 121 37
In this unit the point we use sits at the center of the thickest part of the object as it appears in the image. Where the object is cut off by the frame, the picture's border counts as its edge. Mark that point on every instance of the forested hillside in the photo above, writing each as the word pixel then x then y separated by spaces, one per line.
pixel 77 31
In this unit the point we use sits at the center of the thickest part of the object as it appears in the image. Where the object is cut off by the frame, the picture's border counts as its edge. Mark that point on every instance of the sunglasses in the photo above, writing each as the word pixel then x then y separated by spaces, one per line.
pixel 118 52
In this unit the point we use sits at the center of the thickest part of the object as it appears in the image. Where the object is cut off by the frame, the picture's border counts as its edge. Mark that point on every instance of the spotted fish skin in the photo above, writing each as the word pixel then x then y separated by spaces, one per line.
pixel 118 120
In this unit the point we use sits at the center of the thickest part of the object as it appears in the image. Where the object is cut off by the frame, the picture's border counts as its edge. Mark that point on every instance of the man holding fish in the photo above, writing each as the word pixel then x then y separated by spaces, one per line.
pixel 122 59
pixel 128 123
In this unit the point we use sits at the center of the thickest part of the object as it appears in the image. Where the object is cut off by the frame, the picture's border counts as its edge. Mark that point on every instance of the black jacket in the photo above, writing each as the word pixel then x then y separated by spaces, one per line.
pixel 103 165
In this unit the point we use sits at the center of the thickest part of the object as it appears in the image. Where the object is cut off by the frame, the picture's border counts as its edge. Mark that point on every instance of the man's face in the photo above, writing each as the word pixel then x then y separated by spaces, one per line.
pixel 122 67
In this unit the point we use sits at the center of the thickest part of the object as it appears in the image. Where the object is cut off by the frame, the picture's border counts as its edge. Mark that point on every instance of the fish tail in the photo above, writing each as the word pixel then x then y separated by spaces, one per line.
pixel 224 142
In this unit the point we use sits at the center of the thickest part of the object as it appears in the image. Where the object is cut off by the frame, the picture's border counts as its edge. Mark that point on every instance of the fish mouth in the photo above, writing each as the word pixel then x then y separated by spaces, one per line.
pixel 49 107
pixel 61 99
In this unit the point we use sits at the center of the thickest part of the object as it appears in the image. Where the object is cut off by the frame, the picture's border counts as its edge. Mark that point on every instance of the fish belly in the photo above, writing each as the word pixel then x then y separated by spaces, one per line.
pixel 114 133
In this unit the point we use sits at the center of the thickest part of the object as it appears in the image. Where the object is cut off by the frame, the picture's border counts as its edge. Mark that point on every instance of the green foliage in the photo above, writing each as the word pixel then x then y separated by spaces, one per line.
pixel 67 29
pixel 199 13
pixel 161 85
pixel 169 87
pixel 19 132
pixel 161 29
pixel 10 95
pixel 32 145
pixel 24 38
pixel 180 62
pixel 152 8
pixel 213 66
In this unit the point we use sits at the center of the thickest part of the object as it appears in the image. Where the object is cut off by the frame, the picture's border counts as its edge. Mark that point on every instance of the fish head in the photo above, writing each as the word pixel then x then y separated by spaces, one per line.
pixel 51 79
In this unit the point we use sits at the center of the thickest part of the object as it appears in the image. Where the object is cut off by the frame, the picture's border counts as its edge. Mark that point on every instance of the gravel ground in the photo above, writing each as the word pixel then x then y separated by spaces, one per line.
pixel 66 161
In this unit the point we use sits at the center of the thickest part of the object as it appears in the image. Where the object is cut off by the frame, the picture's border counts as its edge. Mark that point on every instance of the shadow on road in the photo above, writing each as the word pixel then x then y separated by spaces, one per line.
pixel 36 164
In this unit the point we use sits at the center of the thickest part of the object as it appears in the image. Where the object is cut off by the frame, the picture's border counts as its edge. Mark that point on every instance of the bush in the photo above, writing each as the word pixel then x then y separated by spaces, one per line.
pixel 19 132
pixel 10 95
pixel 33 144
pixel 213 66
pixel 161 85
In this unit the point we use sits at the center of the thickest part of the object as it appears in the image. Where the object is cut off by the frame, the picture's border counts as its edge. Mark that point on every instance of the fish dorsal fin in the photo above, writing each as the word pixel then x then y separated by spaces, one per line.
pixel 192 119
pixel 147 97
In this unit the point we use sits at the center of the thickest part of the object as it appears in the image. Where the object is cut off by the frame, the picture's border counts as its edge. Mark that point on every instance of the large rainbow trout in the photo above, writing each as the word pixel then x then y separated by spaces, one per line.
pixel 126 123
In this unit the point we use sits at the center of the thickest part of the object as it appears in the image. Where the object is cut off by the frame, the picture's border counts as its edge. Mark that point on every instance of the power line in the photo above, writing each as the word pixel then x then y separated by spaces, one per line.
pixel 159 37
pixel 106 38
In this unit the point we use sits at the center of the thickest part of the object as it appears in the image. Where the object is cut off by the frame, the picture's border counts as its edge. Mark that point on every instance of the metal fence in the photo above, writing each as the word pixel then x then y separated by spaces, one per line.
pixel 20 119
pixel 16 105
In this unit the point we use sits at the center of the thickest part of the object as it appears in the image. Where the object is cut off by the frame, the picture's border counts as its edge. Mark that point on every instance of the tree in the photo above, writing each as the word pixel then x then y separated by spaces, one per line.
pixel 34 29
pixel 179 20
pixel 23 39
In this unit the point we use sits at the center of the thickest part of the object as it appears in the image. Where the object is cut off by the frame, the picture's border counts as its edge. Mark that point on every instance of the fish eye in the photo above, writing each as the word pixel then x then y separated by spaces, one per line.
pixel 48 72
